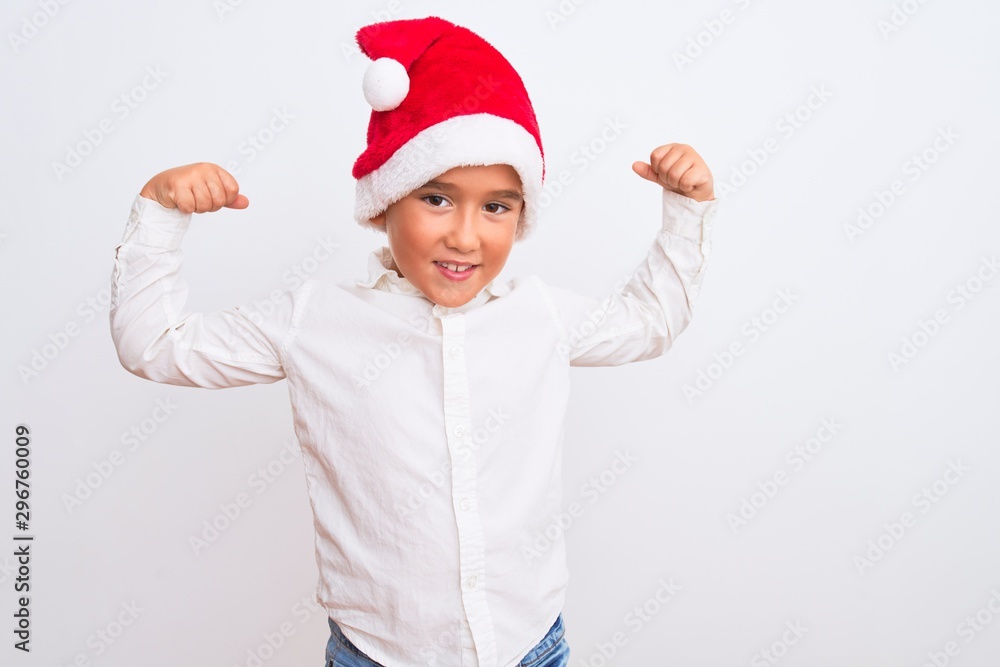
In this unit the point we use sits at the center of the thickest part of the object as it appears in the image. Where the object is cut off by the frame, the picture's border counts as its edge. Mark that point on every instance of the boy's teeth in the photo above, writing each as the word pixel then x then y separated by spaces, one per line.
pixel 455 267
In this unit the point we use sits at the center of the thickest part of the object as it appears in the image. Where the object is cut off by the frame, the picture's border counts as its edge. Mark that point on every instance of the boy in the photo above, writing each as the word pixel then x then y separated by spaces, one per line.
pixel 429 470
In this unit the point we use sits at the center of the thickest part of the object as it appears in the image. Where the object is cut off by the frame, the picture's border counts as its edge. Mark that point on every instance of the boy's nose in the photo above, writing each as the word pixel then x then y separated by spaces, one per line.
pixel 463 234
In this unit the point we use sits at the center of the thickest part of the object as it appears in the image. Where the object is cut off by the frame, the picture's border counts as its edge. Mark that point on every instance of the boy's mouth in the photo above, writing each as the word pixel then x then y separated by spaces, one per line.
pixel 456 266
pixel 455 271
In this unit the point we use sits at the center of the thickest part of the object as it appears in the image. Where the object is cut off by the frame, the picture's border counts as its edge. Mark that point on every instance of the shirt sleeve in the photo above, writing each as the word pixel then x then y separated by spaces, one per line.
pixel 157 338
pixel 642 320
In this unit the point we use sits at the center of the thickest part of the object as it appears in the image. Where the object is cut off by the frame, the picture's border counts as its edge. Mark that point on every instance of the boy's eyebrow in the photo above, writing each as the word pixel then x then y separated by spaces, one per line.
pixel 436 185
pixel 450 187
pixel 506 194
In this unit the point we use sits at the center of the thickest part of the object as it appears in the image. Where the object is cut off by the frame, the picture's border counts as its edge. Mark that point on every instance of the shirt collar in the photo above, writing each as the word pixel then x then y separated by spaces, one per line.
pixel 381 277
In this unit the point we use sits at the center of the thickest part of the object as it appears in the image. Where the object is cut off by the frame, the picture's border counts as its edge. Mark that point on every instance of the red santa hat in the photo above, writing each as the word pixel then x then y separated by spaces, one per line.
pixel 441 97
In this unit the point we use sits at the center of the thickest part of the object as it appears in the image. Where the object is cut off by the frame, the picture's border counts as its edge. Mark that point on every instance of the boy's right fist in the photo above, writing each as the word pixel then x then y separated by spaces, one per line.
pixel 201 187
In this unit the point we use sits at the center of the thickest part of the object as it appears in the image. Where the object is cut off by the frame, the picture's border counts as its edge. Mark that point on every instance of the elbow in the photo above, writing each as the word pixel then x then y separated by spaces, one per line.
pixel 132 359
pixel 665 327
pixel 137 361
pixel 132 351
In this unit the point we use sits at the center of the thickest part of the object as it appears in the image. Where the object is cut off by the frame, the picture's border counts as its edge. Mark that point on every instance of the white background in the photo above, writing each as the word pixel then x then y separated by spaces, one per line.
pixel 783 229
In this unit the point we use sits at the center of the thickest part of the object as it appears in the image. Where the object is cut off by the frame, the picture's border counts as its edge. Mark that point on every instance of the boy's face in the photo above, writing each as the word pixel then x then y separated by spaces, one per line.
pixel 465 216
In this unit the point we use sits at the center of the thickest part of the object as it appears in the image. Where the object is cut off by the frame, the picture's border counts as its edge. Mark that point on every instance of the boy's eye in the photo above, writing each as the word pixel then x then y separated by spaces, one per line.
pixel 435 200
pixel 496 207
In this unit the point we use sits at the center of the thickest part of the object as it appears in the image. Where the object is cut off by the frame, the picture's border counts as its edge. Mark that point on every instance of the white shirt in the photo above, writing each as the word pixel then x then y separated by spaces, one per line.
pixel 431 437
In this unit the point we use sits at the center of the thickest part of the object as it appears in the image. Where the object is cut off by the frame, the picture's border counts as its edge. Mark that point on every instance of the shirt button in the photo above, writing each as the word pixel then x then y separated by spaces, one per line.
pixel 471 583
pixel 460 430
pixel 455 351
pixel 465 504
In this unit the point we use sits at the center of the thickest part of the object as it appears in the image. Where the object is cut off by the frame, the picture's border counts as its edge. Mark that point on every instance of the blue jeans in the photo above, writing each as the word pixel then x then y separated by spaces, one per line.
pixel 552 651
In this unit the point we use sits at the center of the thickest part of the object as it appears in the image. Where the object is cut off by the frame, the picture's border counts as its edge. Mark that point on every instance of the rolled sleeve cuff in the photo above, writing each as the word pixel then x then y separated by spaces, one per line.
pixel 153 225
pixel 688 218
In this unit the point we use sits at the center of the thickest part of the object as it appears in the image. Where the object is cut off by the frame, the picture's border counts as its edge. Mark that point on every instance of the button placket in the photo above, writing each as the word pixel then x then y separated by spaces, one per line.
pixel 470 533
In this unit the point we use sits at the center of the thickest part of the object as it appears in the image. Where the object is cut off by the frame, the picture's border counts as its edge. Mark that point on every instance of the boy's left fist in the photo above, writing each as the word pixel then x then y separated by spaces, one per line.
pixel 678 168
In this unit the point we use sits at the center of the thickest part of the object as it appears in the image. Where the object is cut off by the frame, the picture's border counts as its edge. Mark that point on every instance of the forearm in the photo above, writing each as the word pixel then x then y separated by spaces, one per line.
pixel 669 279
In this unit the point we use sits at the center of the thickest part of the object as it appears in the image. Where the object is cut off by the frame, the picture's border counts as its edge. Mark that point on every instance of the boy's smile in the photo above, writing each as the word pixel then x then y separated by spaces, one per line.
pixel 452 236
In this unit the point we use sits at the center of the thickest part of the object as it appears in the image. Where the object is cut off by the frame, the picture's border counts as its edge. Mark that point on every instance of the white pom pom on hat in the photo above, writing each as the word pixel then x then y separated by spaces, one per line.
pixel 385 84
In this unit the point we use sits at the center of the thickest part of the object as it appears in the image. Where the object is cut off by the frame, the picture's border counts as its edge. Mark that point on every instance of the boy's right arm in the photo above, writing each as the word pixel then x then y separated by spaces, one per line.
pixel 155 337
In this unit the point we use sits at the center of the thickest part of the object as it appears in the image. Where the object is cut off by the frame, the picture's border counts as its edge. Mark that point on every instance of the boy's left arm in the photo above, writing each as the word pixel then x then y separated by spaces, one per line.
pixel 642 320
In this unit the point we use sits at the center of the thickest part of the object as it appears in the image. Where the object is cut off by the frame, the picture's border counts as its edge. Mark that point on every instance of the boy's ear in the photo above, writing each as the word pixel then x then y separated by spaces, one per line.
pixel 379 219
